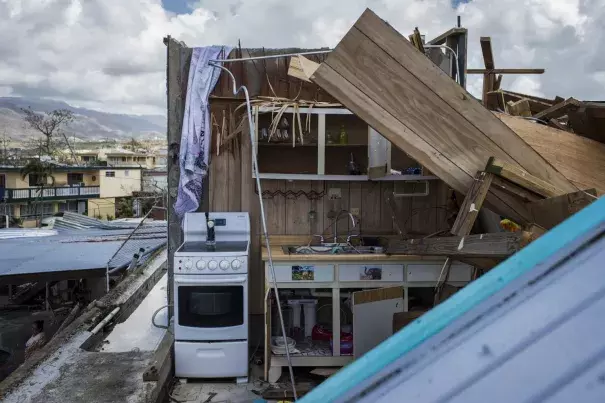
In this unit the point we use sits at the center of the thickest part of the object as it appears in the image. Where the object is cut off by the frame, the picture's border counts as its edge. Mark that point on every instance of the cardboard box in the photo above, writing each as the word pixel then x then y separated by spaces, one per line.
pixel 402 319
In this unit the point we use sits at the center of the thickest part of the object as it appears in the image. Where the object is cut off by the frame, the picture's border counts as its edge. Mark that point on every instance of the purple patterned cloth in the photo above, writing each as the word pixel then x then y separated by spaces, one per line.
pixel 196 134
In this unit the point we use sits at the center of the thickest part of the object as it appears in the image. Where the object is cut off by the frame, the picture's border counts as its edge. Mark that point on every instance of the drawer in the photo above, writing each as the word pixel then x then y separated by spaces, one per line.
pixel 430 272
pixel 303 273
pixel 370 272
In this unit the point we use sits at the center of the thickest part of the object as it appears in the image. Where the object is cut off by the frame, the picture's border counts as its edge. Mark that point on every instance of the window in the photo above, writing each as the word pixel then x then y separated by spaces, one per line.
pixel 127 173
pixel 35 180
pixel 75 178
pixel 110 174
pixel 211 306
pixel 123 159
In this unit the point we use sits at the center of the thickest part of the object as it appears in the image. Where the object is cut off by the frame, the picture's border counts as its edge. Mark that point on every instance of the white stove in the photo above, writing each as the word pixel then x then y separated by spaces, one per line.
pixel 211 297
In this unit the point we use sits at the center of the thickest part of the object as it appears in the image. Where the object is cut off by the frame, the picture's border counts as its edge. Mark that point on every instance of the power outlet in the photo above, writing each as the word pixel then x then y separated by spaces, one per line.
pixel 355 212
pixel 334 193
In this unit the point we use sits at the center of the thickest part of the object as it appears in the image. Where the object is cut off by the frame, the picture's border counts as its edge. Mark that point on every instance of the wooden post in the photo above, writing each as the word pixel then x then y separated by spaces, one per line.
pixel 472 204
pixel 177 73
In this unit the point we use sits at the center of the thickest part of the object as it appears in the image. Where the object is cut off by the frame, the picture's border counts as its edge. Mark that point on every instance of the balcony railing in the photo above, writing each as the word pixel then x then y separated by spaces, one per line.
pixel 56 193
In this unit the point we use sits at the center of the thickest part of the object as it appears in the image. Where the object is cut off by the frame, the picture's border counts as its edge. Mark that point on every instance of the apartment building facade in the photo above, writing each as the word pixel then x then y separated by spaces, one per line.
pixel 82 189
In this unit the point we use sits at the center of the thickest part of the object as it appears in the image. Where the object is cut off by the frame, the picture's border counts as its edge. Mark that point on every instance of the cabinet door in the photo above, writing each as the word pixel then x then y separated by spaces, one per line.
pixel 371 272
pixel 302 273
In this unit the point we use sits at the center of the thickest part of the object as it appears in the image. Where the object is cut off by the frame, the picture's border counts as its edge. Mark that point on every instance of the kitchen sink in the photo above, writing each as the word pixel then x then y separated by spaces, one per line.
pixel 331 249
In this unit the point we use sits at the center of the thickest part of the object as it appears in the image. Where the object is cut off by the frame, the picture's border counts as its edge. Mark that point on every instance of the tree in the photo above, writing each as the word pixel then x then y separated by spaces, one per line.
pixel 133 145
pixel 43 172
pixel 50 125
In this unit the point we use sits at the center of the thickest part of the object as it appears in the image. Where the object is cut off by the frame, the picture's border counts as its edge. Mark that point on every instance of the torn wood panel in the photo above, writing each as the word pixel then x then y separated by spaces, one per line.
pixel 558 110
pixel 557 125
pixel 519 108
pixel 302 68
pixel 472 204
pixel 406 139
pixel 396 68
pixel 501 244
pixel 521 177
pixel 580 159
pixel 553 211
pixel 501 97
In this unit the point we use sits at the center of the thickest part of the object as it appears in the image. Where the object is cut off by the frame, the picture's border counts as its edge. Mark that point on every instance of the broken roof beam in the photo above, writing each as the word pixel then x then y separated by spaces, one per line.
pixel 378 75
pixel 520 177
pixel 495 245
pixel 558 110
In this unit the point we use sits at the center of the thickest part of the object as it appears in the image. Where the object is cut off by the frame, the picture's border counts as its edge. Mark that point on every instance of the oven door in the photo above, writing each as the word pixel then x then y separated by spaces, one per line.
pixel 211 308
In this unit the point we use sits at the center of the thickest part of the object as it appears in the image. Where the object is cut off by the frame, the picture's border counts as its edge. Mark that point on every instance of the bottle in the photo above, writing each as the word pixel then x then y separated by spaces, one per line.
pixel 343 138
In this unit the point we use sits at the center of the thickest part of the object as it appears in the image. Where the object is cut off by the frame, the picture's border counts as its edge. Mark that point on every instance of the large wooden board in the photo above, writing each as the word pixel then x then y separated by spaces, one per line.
pixel 382 78
pixel 580 159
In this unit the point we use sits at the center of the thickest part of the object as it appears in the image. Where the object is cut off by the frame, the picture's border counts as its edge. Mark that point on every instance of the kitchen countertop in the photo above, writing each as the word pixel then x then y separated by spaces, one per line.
pixel 278 255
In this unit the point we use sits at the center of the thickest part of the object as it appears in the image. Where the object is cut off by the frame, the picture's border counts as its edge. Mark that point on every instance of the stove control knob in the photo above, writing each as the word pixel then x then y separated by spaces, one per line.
pixel 224 265
pixel 188 264
pixel 236 264
pixel 201 264
pixel 212 265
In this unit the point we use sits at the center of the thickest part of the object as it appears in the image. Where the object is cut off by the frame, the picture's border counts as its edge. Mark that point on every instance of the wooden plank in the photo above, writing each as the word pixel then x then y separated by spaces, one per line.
pixel 249 203
pixel 370 207
pixel 386 216
pixel 514 189
pixel 580 159
pixel 521 177
pixel 374 64
pixel 398 223
pixel 275 207
pixel 505 71
pixel 560 109
pixel 297 209
pixel 484 245
pixel 317 207
pixel 486 50
pixel 553 211
pixel 557 125
pixel 218 183
pixel 177 73
pixel 472 204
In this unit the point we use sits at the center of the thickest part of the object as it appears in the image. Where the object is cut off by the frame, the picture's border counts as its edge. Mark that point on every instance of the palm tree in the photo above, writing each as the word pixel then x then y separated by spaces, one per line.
pixel 43 172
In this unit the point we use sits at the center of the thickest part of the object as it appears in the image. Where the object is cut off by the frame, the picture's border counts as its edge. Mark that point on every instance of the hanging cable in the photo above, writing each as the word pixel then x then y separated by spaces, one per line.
pixel 262 213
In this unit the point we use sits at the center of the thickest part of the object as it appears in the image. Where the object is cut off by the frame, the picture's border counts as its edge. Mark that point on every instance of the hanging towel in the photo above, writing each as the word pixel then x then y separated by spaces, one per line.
pixel 195 137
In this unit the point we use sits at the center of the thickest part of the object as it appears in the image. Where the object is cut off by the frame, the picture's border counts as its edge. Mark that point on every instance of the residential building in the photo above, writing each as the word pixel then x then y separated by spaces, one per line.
pixel 83 189
pixel 119 158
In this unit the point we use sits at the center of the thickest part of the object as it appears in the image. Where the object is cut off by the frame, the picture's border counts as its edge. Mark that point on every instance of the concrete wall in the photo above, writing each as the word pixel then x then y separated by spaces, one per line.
pixel 122 184
pixel 102 207
pixel 155 182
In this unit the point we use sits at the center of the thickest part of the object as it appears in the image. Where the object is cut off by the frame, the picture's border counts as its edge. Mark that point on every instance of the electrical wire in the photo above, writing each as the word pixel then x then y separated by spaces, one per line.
pixel 263 219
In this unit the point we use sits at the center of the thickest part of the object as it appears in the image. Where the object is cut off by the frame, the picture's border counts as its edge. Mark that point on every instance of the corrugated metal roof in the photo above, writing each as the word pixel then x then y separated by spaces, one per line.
pixel 83 244
pixel 530 330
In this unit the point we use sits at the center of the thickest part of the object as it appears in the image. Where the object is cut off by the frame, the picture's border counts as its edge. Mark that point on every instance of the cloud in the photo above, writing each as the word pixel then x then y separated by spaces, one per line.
pixel 108 54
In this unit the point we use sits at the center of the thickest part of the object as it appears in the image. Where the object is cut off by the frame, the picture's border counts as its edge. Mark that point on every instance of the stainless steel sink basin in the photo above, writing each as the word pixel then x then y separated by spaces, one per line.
pixel 331 249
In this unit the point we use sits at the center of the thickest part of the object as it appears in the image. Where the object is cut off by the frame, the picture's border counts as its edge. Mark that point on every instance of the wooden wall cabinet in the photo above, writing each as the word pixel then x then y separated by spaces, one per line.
pixel 321 154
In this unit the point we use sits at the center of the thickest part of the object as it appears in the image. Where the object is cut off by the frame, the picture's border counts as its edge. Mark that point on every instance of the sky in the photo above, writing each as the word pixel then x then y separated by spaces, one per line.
pixel 108 55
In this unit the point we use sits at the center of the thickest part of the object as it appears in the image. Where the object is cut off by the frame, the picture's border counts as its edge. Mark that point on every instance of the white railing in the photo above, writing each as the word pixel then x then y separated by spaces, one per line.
pixel 55 192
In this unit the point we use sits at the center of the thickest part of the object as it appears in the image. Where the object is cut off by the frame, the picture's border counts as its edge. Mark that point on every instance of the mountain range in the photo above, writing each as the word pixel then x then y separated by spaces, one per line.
pixel 88 125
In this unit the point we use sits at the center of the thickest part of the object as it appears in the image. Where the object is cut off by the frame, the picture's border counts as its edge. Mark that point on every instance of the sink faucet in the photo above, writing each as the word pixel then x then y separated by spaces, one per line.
pixel 353 222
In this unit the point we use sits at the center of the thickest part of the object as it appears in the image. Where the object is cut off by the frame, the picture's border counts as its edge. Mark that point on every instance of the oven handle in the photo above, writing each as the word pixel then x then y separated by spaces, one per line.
pixel 238 279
